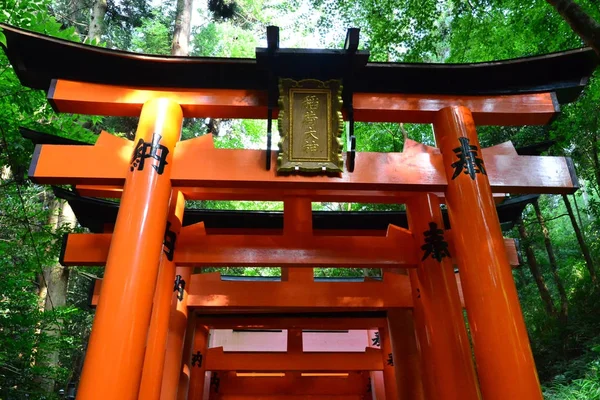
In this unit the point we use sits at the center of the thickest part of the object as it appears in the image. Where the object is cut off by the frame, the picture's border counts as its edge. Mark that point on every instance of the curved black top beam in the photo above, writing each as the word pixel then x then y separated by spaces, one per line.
pixel 38 59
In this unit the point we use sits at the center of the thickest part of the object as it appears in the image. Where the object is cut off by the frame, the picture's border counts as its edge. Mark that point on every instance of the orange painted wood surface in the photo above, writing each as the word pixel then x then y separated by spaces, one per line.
pixel 526 109
pixel 115 354
pixel 154 358
pixel 218 360
pixel 244 169
pixel 91 249
pixel 293 384
pixel 505 364
pixel 395 249
pixel 288 397
pixel 285 322
pixel 198 365
pixel 277 194
pixel 98 99
pixel 178 325
pixel 447 360
pixel 210 294
pixel 407 369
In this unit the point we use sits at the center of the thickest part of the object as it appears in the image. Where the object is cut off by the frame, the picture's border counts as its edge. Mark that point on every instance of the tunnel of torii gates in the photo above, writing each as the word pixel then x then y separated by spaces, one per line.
pixel 151 335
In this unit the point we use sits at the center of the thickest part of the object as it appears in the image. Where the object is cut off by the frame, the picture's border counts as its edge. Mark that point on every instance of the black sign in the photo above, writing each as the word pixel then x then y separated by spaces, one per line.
pixel 375 340
pixel 197 359
pixel 169 242
pixel 154 151
pixel 390 360
pixel 435 245
pixel 468 160
pixel 215 382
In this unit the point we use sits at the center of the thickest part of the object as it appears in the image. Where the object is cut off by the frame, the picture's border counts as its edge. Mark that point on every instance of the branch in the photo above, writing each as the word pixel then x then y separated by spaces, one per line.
pixel 547 219
pixel 581 23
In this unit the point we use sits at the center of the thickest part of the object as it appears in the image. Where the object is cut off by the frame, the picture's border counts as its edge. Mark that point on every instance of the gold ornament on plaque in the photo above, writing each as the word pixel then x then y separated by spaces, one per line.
pixel 310 125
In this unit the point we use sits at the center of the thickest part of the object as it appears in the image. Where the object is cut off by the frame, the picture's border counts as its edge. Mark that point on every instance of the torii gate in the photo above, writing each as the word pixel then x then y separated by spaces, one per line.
pixel 156 173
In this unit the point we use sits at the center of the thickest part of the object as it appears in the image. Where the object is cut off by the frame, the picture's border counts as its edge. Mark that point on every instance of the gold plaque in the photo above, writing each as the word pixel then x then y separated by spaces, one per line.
pixel 310 125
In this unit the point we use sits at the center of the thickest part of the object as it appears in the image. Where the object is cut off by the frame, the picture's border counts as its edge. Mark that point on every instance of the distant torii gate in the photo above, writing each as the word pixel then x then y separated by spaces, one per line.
pixel 137 340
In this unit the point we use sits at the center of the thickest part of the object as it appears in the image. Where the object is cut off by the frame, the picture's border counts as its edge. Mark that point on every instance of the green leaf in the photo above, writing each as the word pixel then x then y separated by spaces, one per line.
pixel 3 39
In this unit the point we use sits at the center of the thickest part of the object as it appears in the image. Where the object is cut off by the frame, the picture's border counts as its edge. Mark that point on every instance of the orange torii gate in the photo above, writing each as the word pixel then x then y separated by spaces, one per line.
pixel 137 339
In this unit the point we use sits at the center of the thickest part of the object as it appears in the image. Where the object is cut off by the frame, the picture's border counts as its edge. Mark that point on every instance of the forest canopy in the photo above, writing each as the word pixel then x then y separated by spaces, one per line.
pixel 45 318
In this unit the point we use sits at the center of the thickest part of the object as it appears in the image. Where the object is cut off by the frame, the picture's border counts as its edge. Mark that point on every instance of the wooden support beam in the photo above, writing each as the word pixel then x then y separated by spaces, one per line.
pixel 355 383
pixel 277 194
pixel 196 249
pixel 211 294
pixel 99 99
pixel 341 321
pixel 218 360
pixel 91 249
pixel 287 397
pixel 197 166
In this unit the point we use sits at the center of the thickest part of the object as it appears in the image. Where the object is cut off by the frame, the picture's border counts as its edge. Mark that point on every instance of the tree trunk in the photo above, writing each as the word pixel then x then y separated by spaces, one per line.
pixel 584 248
pixel 77 16
pixel 535 270
pixel 595 159
pixel 581 23
pixel 183 26
pixel 564 303
pixel 96 27
pixel 53 286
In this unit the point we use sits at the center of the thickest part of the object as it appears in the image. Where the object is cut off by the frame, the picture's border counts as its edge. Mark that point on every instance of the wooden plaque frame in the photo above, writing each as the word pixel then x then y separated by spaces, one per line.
pixel 319 103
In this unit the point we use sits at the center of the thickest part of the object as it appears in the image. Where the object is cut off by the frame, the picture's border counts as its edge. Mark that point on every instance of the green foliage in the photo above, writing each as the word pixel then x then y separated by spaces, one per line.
pixel 425 31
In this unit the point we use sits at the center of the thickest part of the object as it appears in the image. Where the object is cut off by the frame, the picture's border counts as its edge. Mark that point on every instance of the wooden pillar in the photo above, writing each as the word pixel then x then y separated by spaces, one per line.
pixel 198 364
pixel 504 360
pixel 185 369
pixel 179 324
pixel 377 382
pixel 405 355
pixel 115 354
pixel 297 223
pixel 389 375
pixel 448 370
pixel 154 360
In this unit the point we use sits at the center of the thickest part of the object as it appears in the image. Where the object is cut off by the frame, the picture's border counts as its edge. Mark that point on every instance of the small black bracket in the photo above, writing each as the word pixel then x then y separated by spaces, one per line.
pixel 179 287
pixel 273 90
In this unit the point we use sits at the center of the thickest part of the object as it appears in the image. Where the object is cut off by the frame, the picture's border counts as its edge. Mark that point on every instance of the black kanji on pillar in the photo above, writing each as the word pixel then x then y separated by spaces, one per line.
pixel 435 245
pixel 197 359
pixel 153 150
pixel 179 287
pixel 376 340
pixel 215 382
pixel 169 242
pixel 468 160
pixel 390 360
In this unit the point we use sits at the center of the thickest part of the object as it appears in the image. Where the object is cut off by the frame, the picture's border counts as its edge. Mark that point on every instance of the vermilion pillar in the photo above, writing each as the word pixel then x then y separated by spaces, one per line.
pixel 448 371
pixel 504 361
pixel 389 375
pixel 115 353
pixel 377 381
pixel 405 355
pixel 198 366
pixel 186 361
pixel 154 359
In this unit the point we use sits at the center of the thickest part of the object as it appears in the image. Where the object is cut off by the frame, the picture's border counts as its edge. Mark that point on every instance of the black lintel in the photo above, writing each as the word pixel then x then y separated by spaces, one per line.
pixel 95 214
